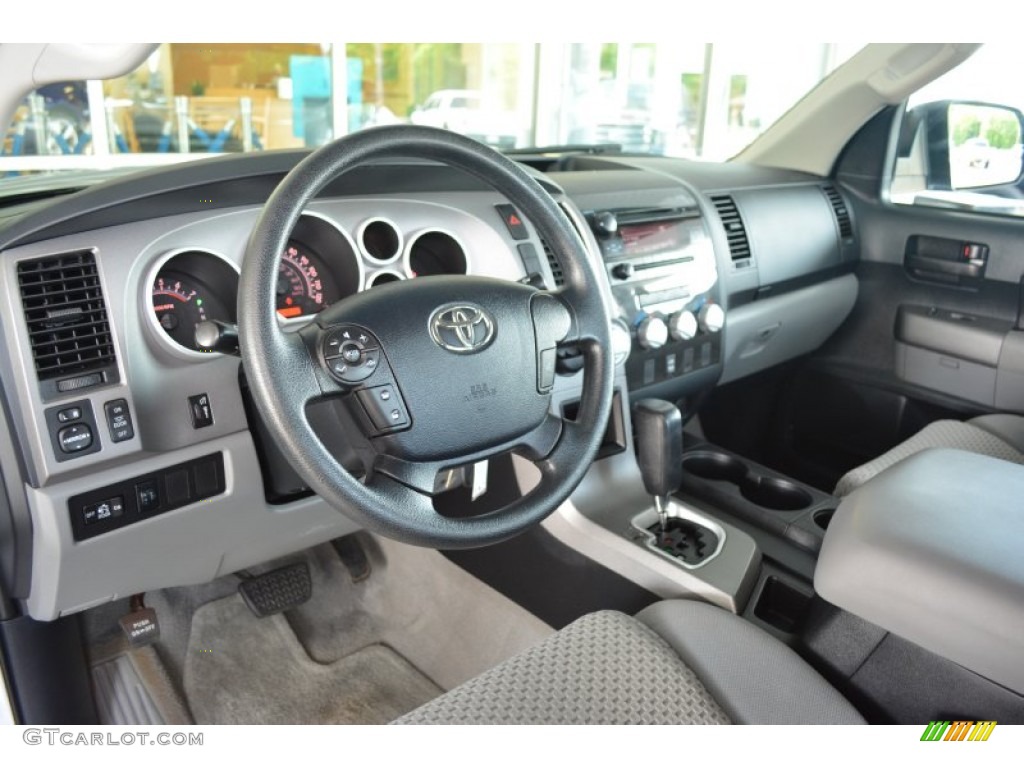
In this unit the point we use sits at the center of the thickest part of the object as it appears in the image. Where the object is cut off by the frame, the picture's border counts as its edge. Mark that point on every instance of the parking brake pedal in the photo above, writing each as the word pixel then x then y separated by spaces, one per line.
pixel 277 590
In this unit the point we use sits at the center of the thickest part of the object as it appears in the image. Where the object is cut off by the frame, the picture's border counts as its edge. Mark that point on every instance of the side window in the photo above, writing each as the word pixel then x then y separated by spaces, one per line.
pixel 959 140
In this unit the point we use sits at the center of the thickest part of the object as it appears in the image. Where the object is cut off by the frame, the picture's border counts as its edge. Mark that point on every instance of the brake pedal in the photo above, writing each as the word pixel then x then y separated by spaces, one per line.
pixel 277 590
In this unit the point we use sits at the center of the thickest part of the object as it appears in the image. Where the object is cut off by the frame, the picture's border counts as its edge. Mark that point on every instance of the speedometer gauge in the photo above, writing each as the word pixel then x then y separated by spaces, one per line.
pixel 302 288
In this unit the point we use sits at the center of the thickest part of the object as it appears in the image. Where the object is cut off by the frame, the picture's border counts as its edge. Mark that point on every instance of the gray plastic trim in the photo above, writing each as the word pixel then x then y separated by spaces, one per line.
pixel 957 334
pixel 191 545
pixel 947 374
pixel 930 550
pixel 1010 373
pixel 773 330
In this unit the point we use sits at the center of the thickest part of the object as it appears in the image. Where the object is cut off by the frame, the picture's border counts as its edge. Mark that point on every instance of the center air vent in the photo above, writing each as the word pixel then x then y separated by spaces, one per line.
pixel 67 320
pixel 840 209
pixel 735 231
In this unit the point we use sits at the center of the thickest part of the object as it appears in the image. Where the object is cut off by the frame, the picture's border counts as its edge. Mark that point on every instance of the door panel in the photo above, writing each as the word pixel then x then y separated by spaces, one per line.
pixel 912 350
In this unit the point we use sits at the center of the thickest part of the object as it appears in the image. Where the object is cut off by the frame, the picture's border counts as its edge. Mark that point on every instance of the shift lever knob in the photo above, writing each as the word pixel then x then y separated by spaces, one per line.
pixel 659 439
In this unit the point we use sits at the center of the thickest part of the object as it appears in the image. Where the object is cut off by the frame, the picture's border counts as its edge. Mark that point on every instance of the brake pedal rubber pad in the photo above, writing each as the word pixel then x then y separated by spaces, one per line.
pixel 277 590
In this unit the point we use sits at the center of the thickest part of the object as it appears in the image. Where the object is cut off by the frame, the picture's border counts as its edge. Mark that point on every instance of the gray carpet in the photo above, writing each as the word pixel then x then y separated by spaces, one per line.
pixel 450 625
pixel 244 670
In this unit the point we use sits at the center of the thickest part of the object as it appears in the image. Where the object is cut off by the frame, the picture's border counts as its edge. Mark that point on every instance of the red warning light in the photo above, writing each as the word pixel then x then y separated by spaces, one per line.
pixel 514 220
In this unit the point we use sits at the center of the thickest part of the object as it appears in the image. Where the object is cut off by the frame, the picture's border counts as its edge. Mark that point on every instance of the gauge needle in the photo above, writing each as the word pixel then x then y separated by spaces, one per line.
pixel 290 311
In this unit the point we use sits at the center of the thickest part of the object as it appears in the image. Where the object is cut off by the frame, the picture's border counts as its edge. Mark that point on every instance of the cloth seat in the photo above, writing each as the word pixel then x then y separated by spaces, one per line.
pixel 676 662
pixel 1000 436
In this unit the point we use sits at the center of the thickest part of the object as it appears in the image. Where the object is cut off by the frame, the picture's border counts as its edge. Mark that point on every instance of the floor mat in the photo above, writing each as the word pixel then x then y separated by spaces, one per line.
pixel 244 670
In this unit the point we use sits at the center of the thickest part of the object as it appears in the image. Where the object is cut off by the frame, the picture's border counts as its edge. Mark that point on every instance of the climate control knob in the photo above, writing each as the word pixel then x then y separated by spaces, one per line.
pixel 711 318
pixel 682 326
pixel 652 333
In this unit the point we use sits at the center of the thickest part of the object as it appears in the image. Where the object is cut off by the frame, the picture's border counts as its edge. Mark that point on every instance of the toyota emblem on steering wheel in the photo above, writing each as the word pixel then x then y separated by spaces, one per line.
pixel 461 328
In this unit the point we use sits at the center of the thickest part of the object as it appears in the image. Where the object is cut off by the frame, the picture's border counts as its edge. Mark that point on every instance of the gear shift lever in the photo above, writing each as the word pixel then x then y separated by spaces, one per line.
pixel 659 439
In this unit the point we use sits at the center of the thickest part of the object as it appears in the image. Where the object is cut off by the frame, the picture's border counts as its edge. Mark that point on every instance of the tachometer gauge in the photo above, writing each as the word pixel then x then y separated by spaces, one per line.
pixel 180 302
pixel 301 288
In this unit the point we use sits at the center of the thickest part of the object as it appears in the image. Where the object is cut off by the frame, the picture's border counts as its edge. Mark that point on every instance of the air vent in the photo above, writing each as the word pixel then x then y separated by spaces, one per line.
pixel 67 319
pixel 735 231
pixel 556 268
pixel 841 211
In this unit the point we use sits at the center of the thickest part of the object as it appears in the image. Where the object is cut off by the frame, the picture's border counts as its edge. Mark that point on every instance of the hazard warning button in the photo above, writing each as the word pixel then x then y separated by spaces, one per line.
pixel 513 221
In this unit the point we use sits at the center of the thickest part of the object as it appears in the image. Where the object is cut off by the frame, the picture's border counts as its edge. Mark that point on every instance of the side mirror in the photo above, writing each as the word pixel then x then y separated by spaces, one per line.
pixel 963 145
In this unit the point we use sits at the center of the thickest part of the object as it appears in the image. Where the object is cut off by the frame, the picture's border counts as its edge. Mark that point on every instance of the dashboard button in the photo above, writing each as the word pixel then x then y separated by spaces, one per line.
pixel 75 438
pixel 119 420
pixel 202 413
pixel 147 496
pixel 513 221
pixel 69 414
pixel 206 478
pixel 103 510
pixel 177 485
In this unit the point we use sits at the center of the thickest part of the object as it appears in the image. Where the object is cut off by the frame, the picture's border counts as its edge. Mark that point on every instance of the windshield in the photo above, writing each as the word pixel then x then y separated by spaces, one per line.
pixel 189 99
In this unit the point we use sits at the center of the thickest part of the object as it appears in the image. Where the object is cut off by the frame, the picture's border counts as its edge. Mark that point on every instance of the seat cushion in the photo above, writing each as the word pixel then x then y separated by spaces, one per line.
pixel 608 668
pixel 605 668
pixel 1000 436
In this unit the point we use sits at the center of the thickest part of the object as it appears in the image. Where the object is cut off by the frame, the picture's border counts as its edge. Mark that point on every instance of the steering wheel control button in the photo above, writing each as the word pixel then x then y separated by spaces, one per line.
pixel 69 414
pixel 351 354
pixel 202 413
pixel 384 408
pixel 147 496
pixel 75 438
pixel 513 221
pixel 546 370
pixel 462 329
pixel 119 420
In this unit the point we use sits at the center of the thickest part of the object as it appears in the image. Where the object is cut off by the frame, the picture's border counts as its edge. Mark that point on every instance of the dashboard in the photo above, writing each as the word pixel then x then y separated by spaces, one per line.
pixel 134 459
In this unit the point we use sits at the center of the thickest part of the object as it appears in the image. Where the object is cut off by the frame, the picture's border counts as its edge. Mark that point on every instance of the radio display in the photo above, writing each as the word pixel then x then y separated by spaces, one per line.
pixel 653 237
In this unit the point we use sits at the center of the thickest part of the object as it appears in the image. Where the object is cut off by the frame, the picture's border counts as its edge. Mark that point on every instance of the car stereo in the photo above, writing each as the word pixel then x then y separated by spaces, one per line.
pixel 661 268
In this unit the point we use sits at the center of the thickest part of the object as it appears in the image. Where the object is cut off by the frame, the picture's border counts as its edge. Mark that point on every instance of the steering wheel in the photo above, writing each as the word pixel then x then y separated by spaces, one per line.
pixel 431 373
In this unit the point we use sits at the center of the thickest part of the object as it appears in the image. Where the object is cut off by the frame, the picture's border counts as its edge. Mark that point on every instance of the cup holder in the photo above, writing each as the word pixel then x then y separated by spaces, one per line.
pixel 769 492
pixel 823 517
pixel 773 493
pixel 715 466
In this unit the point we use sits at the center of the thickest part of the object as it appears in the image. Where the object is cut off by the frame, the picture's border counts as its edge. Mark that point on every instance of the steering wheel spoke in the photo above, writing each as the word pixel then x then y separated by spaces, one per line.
pixel 541 441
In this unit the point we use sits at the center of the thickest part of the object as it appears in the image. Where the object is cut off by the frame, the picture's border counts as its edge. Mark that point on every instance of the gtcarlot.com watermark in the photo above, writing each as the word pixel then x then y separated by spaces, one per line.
pixel 72 738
